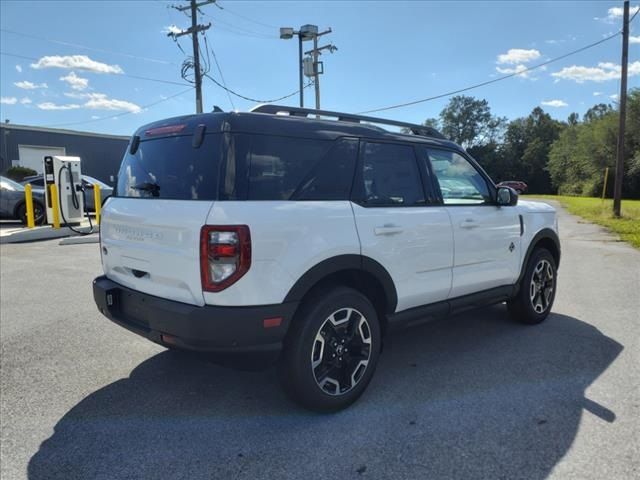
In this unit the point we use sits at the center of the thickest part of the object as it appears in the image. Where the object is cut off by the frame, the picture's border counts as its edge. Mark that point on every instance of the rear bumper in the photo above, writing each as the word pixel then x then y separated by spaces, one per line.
pixel 234 332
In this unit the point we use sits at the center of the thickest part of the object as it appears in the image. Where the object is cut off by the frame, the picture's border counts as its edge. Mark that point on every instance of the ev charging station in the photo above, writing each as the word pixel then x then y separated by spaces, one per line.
pixel 66 175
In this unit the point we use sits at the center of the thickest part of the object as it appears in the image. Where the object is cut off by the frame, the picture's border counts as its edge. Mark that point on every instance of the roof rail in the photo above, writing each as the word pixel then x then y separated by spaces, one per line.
pixel 421 130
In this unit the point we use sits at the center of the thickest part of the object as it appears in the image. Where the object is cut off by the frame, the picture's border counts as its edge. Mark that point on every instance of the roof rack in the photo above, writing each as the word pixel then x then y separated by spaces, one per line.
pixel 421 130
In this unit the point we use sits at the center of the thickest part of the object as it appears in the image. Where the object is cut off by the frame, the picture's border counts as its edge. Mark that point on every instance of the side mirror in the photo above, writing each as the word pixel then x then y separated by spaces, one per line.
pixel 507 197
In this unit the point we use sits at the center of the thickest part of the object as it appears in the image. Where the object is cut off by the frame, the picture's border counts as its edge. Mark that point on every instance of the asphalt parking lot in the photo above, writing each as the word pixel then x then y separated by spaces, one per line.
pixel 471 397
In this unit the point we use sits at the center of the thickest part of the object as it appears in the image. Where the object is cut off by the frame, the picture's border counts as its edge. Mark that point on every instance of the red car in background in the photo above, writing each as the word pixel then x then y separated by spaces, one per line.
pixel 517 185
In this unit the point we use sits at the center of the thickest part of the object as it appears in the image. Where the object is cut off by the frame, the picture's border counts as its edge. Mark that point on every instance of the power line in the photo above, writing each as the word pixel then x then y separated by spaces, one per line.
pixel 137 77
pixel 238 30
pixel 215 59
pixel 121 114
pixel 77 45
pixel 253 99
pixel 495 80
pixel 226 9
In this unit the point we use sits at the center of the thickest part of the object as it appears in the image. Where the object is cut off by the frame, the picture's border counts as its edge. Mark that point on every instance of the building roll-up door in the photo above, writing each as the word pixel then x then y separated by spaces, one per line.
pixel 31 156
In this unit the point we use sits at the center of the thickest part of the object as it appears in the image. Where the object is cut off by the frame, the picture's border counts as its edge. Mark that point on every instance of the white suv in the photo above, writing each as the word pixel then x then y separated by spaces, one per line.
pixel 279 235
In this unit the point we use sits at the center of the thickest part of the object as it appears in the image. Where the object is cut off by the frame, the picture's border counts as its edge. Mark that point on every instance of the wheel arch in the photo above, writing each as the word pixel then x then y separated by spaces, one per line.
pixel 356 271
pixel 547 239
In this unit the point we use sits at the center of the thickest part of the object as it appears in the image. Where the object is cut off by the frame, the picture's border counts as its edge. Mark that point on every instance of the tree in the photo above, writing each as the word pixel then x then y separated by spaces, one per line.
pixel 573 119
pixel 597 111
pixel 578 158
pixel 526 147
pixel 469 122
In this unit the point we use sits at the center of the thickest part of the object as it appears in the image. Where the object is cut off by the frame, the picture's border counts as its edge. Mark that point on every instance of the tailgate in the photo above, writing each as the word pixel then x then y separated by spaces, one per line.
pixel 153 246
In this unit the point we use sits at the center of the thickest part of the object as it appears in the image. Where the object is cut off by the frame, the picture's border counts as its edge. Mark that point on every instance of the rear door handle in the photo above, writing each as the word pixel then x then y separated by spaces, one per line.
pixel 469 223
pixel 388 230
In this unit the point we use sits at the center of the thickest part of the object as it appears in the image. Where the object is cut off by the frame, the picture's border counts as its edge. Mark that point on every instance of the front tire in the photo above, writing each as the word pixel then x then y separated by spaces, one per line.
pixel 331 351
pixel 537 291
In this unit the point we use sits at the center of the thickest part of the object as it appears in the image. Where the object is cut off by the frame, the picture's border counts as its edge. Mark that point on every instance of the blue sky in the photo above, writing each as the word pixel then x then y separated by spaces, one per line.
pixel 388 53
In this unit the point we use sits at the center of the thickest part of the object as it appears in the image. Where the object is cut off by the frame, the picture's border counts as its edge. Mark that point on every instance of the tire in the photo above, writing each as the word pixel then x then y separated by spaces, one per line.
pixel 534 300
pixel 318 368
pixel 38 213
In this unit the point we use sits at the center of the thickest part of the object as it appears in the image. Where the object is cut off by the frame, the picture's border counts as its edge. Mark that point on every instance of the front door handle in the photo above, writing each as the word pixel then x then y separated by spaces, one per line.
pixel 388 229
pixel 469 223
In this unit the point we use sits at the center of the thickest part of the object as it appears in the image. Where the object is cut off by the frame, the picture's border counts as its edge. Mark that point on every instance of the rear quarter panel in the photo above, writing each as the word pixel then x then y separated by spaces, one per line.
pixel 287 239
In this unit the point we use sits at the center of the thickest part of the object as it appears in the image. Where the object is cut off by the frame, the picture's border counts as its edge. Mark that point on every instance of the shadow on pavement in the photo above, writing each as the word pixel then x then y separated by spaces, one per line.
pixel 471 397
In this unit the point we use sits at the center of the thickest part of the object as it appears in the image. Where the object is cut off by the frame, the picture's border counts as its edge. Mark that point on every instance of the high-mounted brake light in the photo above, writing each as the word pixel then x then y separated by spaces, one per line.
pixel 225 255
pixel 164 130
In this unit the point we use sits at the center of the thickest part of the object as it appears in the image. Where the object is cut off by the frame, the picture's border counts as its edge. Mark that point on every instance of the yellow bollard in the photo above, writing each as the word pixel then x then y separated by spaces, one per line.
pixel 604 186
pixel 97 202
pixel 28 199
pixel 54 205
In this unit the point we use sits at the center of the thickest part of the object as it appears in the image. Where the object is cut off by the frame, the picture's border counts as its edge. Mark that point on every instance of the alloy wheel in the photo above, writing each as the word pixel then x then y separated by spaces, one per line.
pixel 341 351
pixel 541 287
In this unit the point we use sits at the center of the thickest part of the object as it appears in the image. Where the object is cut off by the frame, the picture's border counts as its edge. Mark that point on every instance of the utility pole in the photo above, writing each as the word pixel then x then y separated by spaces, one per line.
pixel 316 71
pixel 617 188
pixel 193 31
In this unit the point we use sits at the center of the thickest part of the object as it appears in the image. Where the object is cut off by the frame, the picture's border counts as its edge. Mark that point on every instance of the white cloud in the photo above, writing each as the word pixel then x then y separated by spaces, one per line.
pixel 171 29
pixel 76 62
pixel 614 97
pixel 19 68
pixel 75 82
pixel 518 55
pixel 633 40
pixel 519 69
pixel 614 14
pixel 554 103
pixel 99 101
pixel 603 72
pixel 25 85
pixel 8 100
pixel 94 117
pixel 54 106
pixel 597 94
pixel 25 100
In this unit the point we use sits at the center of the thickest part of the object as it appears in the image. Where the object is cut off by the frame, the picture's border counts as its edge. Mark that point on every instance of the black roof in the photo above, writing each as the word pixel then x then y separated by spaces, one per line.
pixel 294 125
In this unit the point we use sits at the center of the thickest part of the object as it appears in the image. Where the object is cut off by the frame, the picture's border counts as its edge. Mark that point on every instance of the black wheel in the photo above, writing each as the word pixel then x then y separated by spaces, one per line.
pixel 537 291
pixel 331 351
pixel 38 213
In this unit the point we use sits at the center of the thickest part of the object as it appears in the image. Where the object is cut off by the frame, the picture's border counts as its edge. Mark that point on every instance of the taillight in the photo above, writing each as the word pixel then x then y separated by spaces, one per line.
pixel 225 255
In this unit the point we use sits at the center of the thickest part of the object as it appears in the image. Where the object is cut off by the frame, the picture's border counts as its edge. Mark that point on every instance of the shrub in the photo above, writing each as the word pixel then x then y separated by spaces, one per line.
pixel 19 173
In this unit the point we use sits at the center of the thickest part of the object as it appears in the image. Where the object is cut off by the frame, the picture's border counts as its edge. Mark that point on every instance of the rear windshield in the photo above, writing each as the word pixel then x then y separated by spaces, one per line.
pixel 171 168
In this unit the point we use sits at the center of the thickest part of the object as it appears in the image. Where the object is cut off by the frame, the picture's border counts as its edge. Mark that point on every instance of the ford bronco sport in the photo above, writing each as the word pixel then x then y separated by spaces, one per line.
pixel 280 236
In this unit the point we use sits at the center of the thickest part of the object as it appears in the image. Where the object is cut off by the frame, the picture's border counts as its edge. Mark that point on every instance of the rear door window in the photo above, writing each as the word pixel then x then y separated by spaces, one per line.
pixel 171 168
pixel 389 176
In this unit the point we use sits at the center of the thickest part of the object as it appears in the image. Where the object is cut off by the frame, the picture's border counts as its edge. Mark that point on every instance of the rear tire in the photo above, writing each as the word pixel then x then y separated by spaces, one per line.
pixel 38 213
pixel 537 291
pixel 331 350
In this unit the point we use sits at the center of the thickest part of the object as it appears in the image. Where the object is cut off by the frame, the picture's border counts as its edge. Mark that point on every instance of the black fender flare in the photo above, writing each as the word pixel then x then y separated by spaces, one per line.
pixel 342 263
pixel 545 233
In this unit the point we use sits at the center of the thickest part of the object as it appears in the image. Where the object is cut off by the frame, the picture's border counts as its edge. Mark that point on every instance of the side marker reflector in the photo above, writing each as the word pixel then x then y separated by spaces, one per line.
pixel 272 322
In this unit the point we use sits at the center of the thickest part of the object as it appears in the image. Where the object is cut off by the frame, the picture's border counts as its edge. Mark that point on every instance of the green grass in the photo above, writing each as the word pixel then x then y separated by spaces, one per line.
pixel 597 211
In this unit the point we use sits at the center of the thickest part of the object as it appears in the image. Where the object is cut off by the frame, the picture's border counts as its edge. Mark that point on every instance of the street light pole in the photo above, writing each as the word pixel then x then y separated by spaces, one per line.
pixel 300 70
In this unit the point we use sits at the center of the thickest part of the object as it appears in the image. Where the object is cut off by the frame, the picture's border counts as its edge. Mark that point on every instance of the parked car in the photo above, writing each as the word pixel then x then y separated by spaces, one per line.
pixel 518 186
pixel 277 236
pixel 13 203
pixel 37 181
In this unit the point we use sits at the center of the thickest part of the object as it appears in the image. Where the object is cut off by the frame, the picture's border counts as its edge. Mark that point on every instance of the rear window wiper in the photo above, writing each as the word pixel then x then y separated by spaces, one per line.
pixel 154 188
